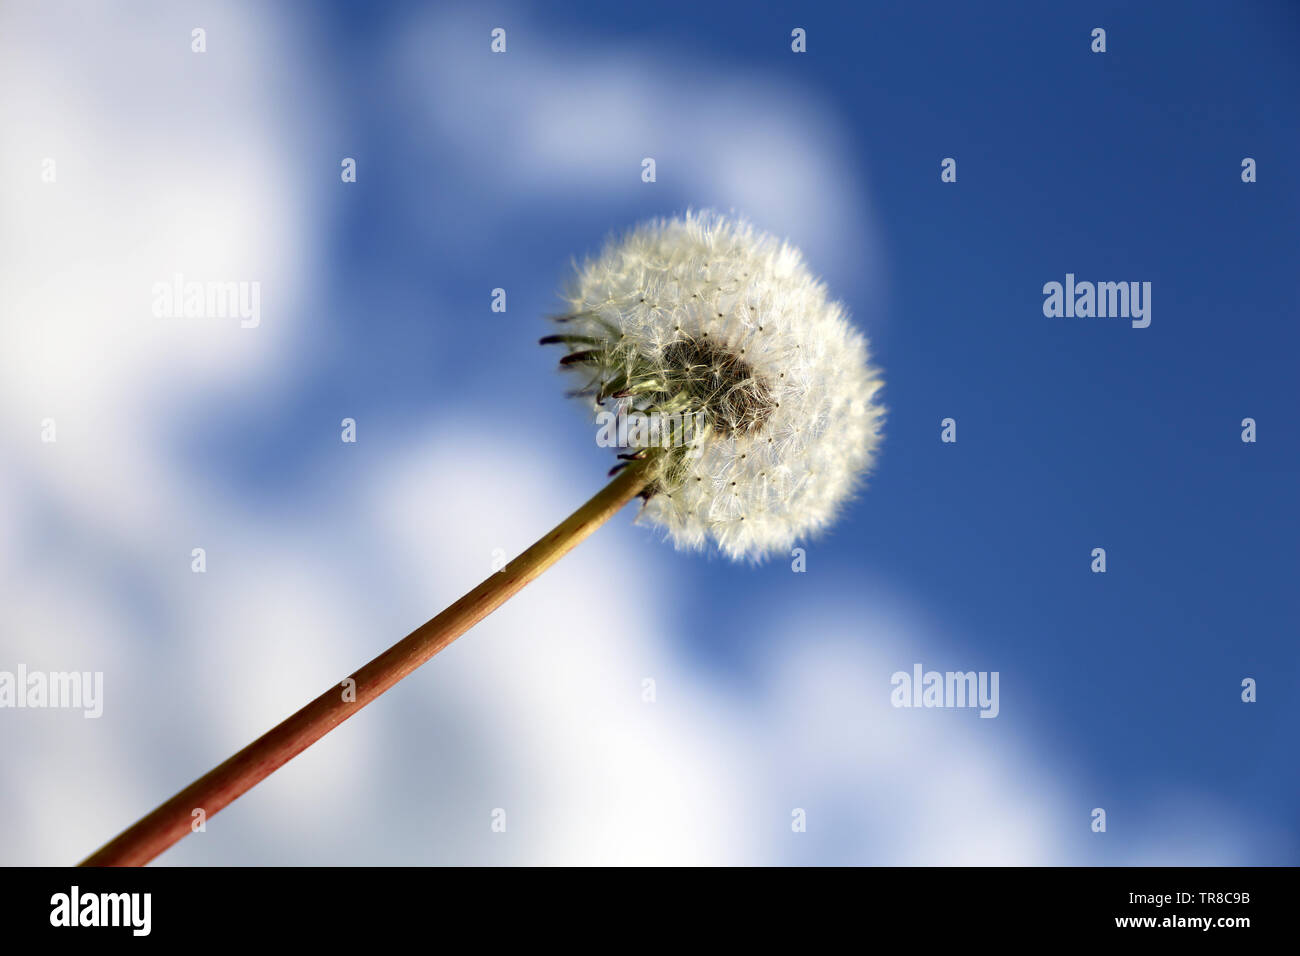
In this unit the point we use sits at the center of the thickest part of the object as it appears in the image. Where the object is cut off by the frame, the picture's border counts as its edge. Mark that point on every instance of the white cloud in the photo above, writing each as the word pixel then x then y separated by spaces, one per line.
pixel 892 786
pixel 166 161
pixel 540 121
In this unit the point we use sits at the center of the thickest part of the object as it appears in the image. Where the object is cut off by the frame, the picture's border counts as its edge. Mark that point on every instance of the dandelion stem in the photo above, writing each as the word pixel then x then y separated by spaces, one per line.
pixel 210 793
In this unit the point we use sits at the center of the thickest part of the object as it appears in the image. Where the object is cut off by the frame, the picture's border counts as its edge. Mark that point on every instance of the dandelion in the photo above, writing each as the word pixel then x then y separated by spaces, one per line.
pixel 694 319
pixel 707 317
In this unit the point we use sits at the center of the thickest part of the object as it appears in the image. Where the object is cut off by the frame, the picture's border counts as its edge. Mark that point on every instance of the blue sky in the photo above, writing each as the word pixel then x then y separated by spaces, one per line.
pixel 1073 433
pixel 476 171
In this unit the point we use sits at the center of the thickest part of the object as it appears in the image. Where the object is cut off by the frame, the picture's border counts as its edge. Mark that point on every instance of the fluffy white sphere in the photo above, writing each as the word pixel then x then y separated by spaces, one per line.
pixel 708 316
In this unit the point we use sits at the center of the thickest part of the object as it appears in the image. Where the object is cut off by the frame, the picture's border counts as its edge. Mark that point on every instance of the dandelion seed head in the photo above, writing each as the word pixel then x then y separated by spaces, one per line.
pixel 704 315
